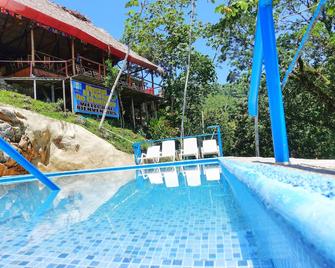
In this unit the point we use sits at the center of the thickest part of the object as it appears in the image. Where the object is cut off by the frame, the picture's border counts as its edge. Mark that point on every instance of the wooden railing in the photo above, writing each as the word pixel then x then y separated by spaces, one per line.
pixel 58 67
pixel 91 68
pixel 64 68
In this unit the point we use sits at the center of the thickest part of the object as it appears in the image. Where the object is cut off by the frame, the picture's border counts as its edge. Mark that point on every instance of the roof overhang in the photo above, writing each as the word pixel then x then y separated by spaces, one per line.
pixel 47 20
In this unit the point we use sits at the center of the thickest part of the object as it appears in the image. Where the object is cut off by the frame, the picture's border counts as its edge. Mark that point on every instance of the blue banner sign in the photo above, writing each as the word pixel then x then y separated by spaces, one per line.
pixel 91 99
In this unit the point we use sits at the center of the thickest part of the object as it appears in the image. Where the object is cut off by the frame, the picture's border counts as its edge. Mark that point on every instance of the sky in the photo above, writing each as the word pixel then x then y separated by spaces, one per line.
pixel 111 14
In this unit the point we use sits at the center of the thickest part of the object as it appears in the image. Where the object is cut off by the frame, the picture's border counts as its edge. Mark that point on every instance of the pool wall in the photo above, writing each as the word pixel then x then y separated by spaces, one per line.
pixel 309 214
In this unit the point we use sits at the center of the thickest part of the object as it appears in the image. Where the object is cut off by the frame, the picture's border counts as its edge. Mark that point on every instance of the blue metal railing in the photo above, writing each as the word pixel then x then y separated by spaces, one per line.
pixel 15 155
pixel 137 146
pixel 184 163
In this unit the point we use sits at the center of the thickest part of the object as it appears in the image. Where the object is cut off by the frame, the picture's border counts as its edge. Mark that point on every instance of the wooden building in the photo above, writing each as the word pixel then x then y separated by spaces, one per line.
pixel 44 47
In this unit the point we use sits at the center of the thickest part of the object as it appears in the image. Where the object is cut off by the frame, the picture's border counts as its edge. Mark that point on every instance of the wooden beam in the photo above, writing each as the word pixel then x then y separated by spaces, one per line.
pixel 35 89
pixel 152 81
pixel 32 45
pixel 133 112
pixel 153 106
pixel 73 56
pixel 72 101
pixel 53 93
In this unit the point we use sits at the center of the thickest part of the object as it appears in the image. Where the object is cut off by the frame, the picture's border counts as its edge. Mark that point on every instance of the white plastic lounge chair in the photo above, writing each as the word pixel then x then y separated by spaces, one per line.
pixel 193 176
pixel 155 176
pixel 212 173
pixel 190 148
pixel 152 155
pixel 168 150
pixel 209 147
pixel 171 177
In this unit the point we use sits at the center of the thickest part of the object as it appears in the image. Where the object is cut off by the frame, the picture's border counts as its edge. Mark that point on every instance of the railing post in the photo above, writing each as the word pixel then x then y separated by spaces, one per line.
pixel 66 70
pixel 137 152
pixel 73 58
pixel 277 114
pixel 218 131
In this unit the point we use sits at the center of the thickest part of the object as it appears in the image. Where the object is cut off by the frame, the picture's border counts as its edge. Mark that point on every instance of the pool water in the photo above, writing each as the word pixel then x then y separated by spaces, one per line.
pixel 143 225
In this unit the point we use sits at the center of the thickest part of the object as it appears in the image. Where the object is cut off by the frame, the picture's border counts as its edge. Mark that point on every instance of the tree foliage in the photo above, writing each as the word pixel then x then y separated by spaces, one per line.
pixel 159 30
pixel 161 35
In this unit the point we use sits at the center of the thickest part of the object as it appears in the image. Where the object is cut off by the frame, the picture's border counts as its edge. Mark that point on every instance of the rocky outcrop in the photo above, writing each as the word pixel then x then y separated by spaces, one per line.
pixel 53 145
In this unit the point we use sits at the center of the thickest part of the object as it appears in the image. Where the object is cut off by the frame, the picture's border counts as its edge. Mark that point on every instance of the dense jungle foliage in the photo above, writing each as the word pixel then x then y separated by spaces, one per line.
pixel 159 31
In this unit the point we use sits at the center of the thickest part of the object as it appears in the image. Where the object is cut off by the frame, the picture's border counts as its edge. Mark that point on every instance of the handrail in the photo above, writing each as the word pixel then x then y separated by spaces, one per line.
pixel 30 178
pixel 15 155
pixel 217 132
pixel 35 61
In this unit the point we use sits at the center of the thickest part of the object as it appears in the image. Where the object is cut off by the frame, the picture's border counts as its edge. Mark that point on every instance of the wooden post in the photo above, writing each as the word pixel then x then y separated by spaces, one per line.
pixel 32 42
pixel 104 65
pixel 203 121
pixel 133 112
pixel 35 89
pixel 53 93
pixel 145 106
pixel 152 81
pixel 73 57
pixel 153 107
pixel 64 100
pixel 72 102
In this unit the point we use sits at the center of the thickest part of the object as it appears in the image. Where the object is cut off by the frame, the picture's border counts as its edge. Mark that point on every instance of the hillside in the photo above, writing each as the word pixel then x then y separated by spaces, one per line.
pixel 120 138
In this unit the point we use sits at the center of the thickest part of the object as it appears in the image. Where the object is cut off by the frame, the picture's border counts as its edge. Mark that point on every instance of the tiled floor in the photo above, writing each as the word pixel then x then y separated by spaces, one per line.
pixel 152 227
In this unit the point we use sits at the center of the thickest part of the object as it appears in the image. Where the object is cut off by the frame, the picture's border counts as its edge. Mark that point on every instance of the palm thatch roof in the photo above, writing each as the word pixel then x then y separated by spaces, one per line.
pixel 74 24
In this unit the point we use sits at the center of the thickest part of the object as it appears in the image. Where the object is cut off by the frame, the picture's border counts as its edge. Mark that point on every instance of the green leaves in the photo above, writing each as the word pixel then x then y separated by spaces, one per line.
pixel 132 3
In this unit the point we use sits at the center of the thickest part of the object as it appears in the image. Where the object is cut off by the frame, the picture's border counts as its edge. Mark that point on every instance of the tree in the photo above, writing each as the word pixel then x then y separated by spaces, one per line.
pixel 159 30
pixel 309 95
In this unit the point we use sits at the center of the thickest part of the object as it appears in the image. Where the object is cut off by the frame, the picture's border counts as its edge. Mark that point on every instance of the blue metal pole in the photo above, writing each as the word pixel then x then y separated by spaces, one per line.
pixel 15 155
pixel 303 42
pixel 184 163
pixel 220 140
pixel 137 152
pixel 218 132
pixel 273 82
pixel 256 74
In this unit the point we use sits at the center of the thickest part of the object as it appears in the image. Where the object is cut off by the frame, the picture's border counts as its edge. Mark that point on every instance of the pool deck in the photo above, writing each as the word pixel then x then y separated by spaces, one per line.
pixel 325 167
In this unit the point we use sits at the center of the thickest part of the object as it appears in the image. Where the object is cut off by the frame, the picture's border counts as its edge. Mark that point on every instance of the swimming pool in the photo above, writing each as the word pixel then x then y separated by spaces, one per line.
pixel 96 221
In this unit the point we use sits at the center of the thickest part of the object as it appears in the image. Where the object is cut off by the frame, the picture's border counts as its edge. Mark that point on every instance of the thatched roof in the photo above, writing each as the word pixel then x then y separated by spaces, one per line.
pixel 69 22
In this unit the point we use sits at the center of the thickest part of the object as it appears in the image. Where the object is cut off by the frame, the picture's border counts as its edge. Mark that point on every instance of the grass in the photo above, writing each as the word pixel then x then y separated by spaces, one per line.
pixel 121 138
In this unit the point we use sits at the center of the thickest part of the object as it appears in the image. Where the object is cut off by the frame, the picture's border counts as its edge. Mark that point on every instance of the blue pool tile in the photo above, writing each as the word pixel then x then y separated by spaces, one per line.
pixel 126 260
pixel 198 263
pixel 117 259
pixel 63 255
pixel 177 262
pixel 209 263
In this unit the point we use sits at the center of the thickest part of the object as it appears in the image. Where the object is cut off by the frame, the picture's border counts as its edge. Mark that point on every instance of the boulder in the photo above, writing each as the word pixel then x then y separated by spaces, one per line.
pixel 53 145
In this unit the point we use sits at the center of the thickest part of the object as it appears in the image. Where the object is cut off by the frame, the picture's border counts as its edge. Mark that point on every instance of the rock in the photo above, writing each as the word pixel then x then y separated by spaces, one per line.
pixel 3 169
pixel 80 120
pixel 3 157
pixel 54 145
pixel 24 142
pixel 9 116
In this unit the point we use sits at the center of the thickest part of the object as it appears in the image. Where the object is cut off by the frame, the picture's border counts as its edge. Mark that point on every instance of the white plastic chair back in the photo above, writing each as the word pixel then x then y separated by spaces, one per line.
pixel 190 146
pixel 168 148
pixel 153 152
pixel 210 147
